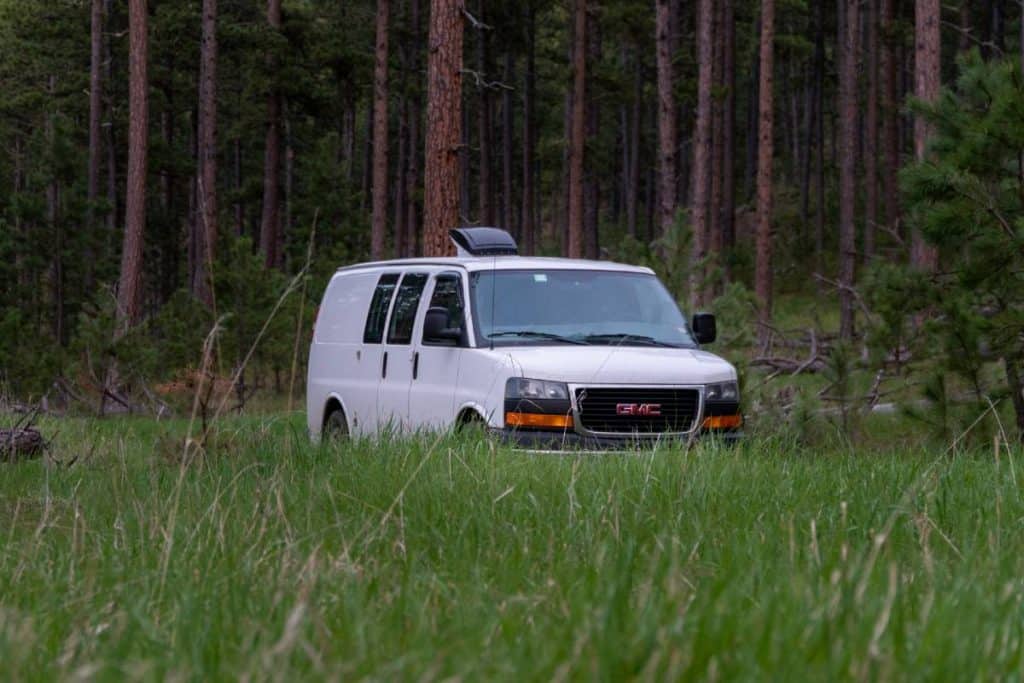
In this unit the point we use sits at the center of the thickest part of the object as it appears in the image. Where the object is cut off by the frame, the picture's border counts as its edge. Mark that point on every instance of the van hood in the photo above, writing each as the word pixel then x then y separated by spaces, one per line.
pixel 619 365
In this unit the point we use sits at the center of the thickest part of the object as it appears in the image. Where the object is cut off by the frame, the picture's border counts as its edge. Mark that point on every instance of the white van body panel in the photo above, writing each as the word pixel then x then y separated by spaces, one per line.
pixel 339 366
pixel 450 380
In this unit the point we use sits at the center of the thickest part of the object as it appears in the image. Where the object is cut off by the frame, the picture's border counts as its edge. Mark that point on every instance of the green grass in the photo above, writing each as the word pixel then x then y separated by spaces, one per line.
pixel 275 559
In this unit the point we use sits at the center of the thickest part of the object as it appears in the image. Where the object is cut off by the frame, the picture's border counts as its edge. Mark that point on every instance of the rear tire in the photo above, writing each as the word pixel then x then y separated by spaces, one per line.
pixel 335 427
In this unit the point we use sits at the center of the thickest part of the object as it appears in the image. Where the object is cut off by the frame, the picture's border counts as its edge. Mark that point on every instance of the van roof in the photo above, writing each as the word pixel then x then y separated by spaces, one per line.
pixel 475 263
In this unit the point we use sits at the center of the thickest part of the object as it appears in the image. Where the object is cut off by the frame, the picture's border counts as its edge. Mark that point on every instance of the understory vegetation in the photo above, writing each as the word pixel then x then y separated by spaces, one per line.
pixel 268 557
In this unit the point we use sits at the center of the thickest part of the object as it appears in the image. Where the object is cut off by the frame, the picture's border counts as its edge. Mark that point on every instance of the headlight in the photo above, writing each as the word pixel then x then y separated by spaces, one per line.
pixel 723 391
pixel 519 387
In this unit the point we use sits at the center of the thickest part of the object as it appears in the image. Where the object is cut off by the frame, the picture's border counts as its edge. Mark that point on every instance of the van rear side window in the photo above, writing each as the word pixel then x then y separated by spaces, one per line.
pixel 373 333
pixel 404 315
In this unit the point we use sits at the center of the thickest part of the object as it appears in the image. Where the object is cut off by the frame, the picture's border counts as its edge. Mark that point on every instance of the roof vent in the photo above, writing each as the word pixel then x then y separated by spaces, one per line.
pixel 483 242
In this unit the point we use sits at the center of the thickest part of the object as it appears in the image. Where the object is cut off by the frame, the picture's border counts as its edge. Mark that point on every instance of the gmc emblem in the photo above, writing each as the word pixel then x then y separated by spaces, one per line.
pixel 644 409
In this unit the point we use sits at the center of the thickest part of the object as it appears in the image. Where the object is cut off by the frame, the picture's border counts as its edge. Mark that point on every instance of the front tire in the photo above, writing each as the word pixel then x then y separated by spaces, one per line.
pixel 336 427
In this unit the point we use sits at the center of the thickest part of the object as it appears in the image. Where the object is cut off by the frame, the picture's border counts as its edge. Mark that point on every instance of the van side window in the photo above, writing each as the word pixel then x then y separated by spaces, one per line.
pixel 448 295
pixel 404 314
pixel 378 315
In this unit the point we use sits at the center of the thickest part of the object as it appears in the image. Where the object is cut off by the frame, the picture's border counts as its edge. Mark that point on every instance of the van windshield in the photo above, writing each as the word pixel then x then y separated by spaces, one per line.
pixel 599 307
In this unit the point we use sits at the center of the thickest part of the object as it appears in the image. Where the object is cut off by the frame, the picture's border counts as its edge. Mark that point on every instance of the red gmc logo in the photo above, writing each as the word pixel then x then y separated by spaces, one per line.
pixel 645 409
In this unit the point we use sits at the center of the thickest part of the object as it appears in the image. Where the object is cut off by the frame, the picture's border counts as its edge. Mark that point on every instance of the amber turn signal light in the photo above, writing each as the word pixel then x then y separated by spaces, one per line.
pixel 538 420
pixel 723 421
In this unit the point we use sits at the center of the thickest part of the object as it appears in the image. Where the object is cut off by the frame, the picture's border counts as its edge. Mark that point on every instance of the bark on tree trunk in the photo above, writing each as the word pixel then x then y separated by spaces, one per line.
pixel 413 190
pixel 701 153
pixel 484 115
pixel 927 53
pixel 270 221
pixel 379 226
pixel 444 121
pixel 847 165
pixel 633 178
pixel 714 243
pixel 819 128
pixel 591 188
pixel 871 132
pixel 95 104
pixel 529 95
pixel 729 136
pixel 95 132
pixel 667 117
pixel 890 106
pixel 108 68
pixel 577 143
pixel 400 183
pixel 507 146
pixel 765 157
pixel 129 289
pixel 206 192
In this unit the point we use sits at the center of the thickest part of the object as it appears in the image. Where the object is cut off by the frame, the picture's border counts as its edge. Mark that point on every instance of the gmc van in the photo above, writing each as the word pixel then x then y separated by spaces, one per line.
pixel 546 352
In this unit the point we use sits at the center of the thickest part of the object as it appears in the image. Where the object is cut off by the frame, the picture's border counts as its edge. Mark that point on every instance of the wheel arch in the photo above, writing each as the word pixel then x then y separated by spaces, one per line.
pixel 333 404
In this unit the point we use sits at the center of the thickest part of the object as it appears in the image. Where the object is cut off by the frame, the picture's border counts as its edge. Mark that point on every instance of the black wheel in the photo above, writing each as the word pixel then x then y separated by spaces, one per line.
pixel 335 427
pixel 472 422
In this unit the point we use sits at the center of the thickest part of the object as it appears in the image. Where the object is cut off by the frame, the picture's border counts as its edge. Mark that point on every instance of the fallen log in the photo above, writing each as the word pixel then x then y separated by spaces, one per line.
pixel 21 443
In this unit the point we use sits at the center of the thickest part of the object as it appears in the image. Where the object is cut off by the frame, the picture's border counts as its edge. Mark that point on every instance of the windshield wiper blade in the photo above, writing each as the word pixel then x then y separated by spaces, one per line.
pixel 537 335
pixel 626 337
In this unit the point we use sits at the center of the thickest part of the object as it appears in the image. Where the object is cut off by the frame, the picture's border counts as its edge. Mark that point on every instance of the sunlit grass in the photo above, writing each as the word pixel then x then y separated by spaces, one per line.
pixel 437 557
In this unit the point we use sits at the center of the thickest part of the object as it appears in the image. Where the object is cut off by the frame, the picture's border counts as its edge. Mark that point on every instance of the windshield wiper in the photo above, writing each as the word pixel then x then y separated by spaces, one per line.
pixel 534 334
pixel 624 338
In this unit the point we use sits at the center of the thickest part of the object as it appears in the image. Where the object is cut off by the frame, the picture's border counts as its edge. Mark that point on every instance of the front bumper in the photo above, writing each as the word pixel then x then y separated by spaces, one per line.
pixel 536 440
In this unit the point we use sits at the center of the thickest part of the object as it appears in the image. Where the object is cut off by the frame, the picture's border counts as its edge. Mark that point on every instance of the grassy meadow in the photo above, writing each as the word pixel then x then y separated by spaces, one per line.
pixel 450 557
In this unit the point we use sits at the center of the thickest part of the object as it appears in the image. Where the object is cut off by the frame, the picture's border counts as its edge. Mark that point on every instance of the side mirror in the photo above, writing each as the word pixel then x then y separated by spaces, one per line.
pixel 704 328
pixel 436 328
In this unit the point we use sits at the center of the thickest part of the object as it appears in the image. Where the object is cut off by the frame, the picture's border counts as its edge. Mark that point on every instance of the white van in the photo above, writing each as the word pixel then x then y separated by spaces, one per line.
pixel 547 352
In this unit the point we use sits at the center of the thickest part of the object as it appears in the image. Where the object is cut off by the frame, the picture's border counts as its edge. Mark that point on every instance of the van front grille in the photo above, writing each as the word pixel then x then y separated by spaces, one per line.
pixel 644 410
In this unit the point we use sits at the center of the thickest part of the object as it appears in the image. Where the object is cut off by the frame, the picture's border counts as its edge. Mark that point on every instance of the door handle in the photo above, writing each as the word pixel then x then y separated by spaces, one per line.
pixel 384 368
pixel 415 364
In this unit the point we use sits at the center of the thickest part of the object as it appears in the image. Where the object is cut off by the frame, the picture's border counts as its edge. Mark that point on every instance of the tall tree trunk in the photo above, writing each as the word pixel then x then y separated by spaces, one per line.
pixel 239 206
pixel 633 172
pixel 401 168
pixel 108 70
pixel 729 135
pixel 129 289
pixel 667 116
pixel 444 121
pixel 871 132
pixel 206 243
pixel 714 239
pixel 591 187
pixel 577 142
pixel 465 172
pixel 890 113
pixel 750 168
pixel 507 146
pixel 701 153
pixel 379 226
pixel 765 157
pixel 927 54
pixel 270 221
pixel 413 189
pixel 819 135
pixel 484 115
pixel 55 228
pixel 95 132
pixel 529 134
pixel 847 165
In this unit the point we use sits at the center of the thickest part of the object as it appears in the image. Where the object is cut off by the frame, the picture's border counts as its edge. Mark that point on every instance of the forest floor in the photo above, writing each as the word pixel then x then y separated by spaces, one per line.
pixel 271 558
